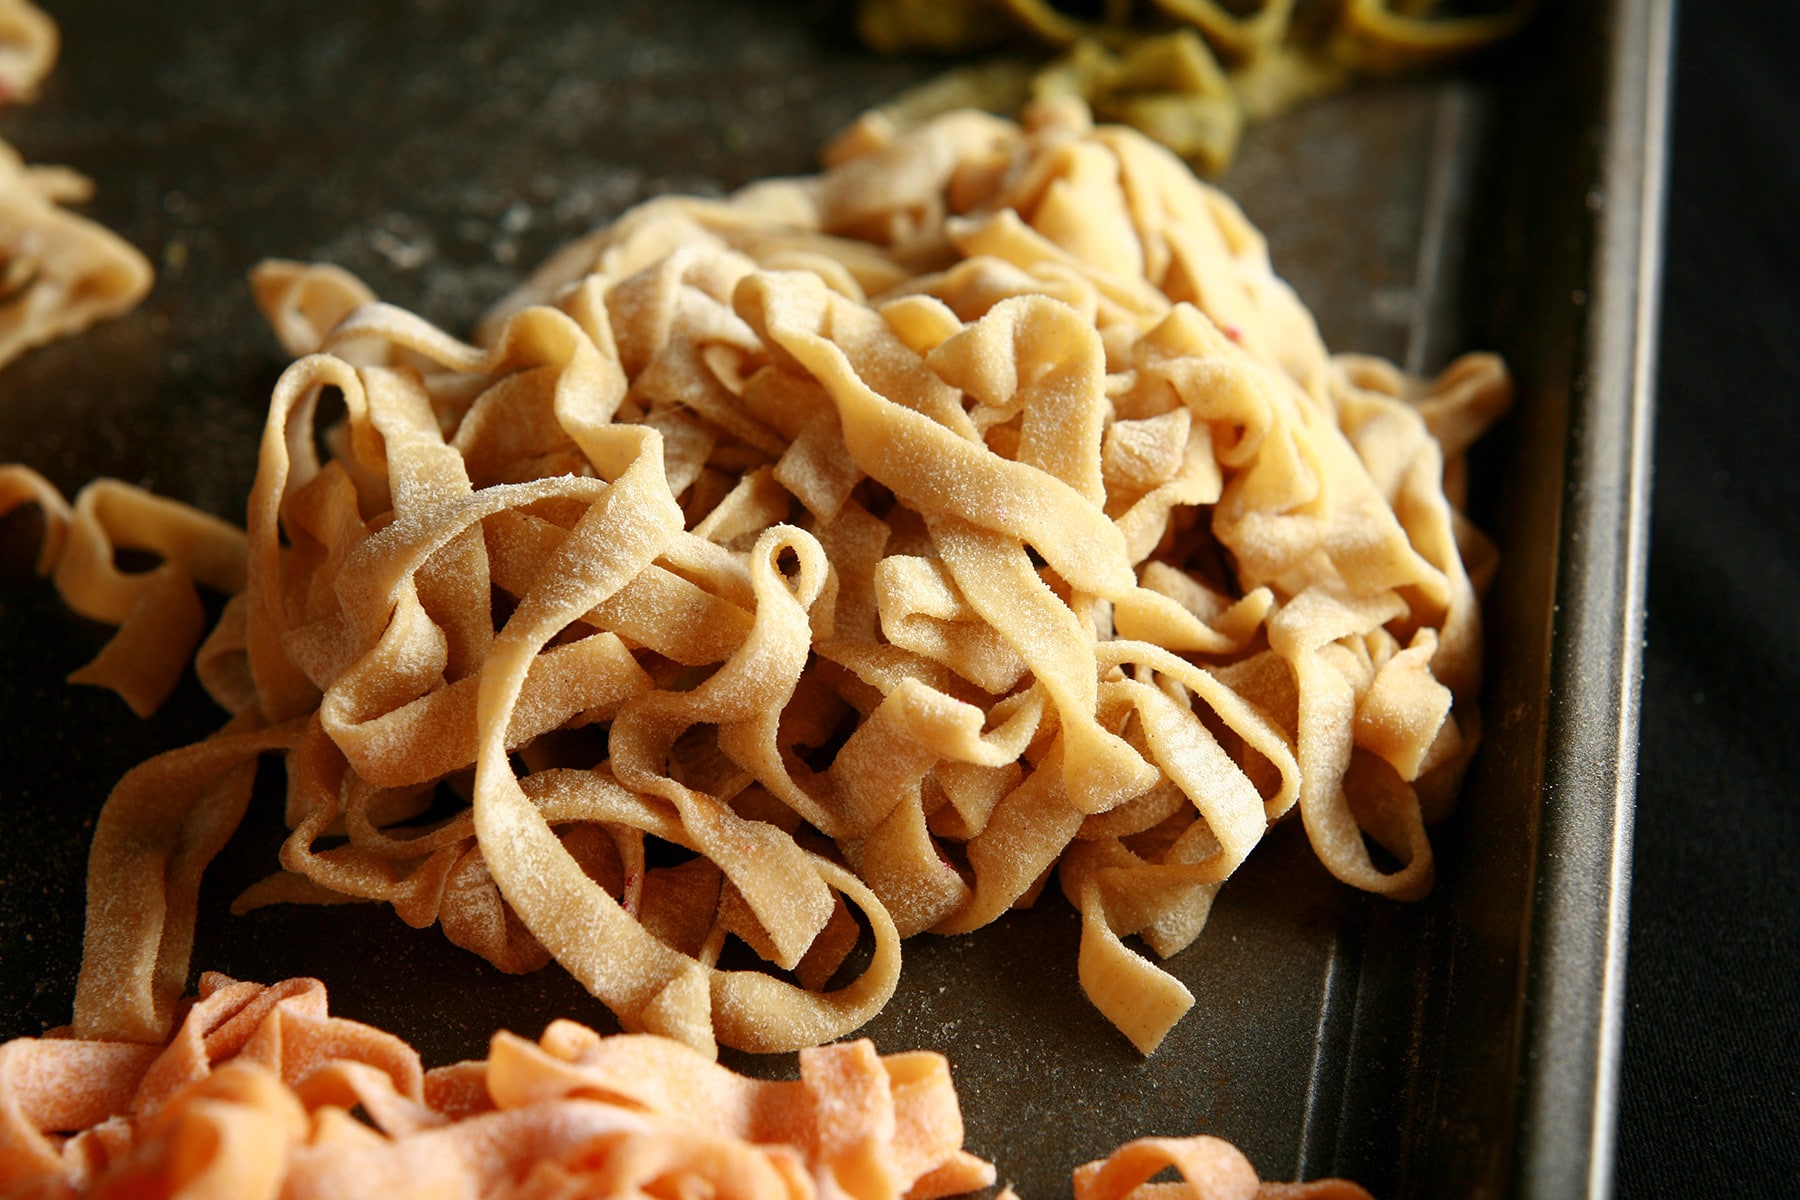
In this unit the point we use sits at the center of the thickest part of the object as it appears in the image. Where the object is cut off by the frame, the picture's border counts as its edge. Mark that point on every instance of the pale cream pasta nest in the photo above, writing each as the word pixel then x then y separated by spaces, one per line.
pixel 881 541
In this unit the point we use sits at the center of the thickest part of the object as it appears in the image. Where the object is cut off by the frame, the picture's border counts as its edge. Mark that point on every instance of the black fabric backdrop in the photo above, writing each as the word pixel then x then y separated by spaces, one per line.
pixel 1710 1095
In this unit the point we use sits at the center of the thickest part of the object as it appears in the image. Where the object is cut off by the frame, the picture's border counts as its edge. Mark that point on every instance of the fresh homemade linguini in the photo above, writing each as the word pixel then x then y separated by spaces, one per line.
pixel 832 562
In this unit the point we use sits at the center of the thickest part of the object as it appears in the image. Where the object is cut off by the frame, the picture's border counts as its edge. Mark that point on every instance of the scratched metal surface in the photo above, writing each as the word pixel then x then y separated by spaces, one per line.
pixel 438 149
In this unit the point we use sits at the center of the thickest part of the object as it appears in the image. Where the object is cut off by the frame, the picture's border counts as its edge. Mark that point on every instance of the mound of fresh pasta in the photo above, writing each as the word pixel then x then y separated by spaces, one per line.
pixel 253 1097
pixel 258 1094
pixel 833 562
pixel 59 272
pixel 1189 73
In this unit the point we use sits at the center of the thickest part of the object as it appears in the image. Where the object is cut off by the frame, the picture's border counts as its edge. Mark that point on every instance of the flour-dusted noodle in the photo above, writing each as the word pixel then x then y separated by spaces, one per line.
pixel 842 558
pixel 161 826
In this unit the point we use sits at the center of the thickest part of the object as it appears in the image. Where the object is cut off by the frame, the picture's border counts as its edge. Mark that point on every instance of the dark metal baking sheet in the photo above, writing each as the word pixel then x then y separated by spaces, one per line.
pixel 1461 1046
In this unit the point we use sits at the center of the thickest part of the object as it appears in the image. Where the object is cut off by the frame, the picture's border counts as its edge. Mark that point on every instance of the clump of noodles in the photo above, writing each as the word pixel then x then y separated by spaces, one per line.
pixel 59 272
pixel 257 1095
pixel 887 541
pixel 1189 73
pixel 253 1098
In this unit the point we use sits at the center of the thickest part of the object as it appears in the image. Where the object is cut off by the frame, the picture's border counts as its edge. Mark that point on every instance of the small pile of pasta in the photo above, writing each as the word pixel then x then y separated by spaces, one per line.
pixel 255 1097
pixel 982 509
pixel 59 272
pixel 1189 73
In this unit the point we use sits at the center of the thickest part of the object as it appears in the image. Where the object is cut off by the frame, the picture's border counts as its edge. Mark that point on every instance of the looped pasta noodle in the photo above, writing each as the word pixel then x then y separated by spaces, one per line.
pixel 158 611
pixel 1210 1169
pixel 748 583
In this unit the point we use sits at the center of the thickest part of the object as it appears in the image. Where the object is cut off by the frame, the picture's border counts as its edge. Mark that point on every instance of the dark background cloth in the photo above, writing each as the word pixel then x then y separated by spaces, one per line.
pixel 1710 1093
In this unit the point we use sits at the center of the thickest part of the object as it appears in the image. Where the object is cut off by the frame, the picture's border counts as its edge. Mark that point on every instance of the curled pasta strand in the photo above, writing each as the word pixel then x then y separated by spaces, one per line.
pixel 159 828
